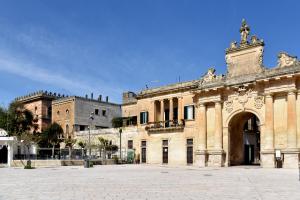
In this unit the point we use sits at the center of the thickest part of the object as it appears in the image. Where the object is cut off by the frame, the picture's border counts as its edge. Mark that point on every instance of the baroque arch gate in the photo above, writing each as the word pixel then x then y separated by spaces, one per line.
pixel 244 139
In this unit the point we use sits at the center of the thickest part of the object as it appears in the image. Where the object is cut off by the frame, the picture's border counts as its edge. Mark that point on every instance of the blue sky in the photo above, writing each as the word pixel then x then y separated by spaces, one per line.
pixel 107 47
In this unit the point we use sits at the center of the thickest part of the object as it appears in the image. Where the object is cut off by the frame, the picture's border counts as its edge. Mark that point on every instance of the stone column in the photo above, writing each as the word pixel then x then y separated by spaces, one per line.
pixel 162 110
pixel 171 108
pixel 202 127
pixel 267 136
pixel 201 154
pixel 298 119
pixel 215 157
pixel 291 120
pixel 218 126
pixel 291 153
pixel 10 153
pixel 269 123
pixel 154 111
pixel 180 107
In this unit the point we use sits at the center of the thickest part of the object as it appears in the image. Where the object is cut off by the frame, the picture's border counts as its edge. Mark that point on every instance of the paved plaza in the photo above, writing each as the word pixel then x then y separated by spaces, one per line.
pixel 148 182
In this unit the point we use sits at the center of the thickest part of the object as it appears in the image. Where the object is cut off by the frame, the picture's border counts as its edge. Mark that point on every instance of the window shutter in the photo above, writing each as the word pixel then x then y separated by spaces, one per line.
pixel 147 117
pixel 141 118
pixel 193 112
pixel 185 112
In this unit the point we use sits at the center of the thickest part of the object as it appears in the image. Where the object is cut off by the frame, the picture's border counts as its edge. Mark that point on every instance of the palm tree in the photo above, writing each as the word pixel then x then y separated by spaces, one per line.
pixel 70 143
pixel 82 145
pixel 20 123
pixel 52 135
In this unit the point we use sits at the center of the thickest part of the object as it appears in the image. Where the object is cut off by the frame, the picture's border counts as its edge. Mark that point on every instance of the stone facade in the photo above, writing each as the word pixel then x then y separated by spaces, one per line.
pixel 74 114
pixel 39 103
pixel 242 117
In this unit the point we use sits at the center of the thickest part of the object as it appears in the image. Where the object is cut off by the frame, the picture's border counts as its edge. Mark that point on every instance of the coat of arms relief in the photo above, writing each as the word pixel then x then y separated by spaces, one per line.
pixel 242 96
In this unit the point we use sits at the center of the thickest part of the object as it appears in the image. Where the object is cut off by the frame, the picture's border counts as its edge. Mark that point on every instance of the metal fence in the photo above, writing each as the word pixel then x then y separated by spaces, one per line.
pixel 65 154
pixel 49 154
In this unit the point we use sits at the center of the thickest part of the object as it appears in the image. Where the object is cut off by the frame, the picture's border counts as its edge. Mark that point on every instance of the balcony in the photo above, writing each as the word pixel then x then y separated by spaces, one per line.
pixel 165 126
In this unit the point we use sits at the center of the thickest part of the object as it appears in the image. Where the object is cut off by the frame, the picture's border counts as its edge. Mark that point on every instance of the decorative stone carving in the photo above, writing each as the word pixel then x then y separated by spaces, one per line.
pixel 244 30
pixel 229 105
pixel 211 76
pixel 243 94
pixel 258 102
pixel 233 45
pixel 3 133
pixel 285 60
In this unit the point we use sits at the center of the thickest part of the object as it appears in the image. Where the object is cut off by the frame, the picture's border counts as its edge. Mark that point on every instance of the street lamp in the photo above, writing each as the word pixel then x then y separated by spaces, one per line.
pixel 120 131
pixel 87 163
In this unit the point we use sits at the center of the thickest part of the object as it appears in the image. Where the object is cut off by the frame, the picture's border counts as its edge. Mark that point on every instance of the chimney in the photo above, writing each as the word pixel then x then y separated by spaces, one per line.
pixel 86 96
pixel 100 98
pixel 92 96
pixel 106 98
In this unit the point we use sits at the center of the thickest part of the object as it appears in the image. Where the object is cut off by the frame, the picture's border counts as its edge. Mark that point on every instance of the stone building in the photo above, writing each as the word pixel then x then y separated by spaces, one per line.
pixel 74 113
pixel 242 117
pixel 39 103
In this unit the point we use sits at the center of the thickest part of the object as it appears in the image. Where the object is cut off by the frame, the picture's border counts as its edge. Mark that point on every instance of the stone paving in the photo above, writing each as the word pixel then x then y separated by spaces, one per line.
pixel 138 182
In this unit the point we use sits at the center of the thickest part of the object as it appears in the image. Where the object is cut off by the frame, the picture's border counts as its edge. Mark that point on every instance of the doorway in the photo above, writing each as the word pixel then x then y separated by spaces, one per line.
pixel 244 139
pixel 143 152
pixel 165 152
pixel 3 154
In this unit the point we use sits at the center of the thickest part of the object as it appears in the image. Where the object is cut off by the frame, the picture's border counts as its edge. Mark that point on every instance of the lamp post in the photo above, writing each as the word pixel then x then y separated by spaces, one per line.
pixel 120 131
pixel 87 163
pixel 91 118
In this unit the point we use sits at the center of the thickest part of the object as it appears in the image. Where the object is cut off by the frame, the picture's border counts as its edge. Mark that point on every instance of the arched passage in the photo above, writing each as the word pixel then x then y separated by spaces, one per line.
pixel 244 139
pixel 3 154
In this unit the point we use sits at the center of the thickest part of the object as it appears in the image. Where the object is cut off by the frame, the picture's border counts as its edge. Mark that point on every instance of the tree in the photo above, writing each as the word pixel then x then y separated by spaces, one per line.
pixel 82 145
pixel 19 120
pixel 52 135
pixel 117 122
pixel 70 143
pixel 3 118
pixel 106 145
pixel 20 123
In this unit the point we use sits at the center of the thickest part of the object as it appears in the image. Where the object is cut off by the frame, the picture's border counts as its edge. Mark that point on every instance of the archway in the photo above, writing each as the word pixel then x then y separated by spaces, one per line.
pixel 3 154
pixel 244 139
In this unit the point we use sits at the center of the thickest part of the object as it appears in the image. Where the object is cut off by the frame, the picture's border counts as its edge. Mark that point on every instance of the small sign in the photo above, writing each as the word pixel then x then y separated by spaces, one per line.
pixel 278 153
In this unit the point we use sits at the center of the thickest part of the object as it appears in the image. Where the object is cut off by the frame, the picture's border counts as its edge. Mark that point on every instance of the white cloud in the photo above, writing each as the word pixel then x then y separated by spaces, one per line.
pixel 69 83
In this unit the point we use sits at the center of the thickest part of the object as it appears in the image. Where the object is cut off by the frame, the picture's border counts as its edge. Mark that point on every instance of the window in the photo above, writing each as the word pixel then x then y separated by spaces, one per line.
pixel 103 112
pixel 189 112
pixel 143 117
pixel 57 113
pixel 67 130
pixel 96 111
pixel 144 143
pixel 165 142
pixel 189 141
pixel 81 128
pixel 130 144
pixel 49 112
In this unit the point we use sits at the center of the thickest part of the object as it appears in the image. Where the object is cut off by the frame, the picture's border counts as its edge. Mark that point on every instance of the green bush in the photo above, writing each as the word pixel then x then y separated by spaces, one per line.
pixel 28 167
pixel 116 159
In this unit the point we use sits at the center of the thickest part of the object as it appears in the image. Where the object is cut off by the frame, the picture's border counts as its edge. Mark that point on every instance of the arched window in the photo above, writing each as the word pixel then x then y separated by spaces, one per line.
pixel 67 130
pixel 67 113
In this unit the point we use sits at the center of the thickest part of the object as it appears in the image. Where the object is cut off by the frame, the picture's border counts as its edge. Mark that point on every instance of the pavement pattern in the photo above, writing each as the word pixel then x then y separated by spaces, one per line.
pixel 137 182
